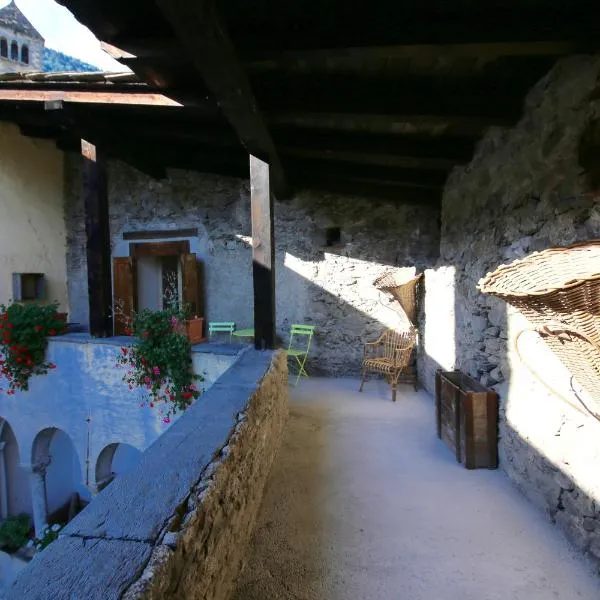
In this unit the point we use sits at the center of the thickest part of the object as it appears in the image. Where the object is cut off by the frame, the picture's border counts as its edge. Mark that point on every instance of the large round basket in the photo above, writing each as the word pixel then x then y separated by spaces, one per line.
pixel 558 290
pixel 403 289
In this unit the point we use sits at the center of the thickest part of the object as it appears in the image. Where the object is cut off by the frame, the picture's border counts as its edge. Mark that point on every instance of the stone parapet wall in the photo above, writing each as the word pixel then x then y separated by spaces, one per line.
pixel 178 526
pixel 329 287
pixel 526 189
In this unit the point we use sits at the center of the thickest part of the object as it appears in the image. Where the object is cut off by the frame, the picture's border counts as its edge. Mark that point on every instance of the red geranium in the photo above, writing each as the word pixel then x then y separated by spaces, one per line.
pixel 25 328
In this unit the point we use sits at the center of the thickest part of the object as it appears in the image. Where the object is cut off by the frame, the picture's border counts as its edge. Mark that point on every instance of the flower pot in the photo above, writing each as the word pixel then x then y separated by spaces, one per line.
pixel 194 329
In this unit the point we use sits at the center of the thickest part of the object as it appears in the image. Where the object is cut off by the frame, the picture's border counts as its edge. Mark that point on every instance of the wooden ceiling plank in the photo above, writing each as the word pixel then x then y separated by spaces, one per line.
pixel 367 158
pixel 201 31
pixel 434 125
pixel 328 56
pixel 88 97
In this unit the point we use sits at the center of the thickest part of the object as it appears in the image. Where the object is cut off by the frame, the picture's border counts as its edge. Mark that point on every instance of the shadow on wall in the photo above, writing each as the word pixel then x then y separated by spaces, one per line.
pixel 547 440
pixel 329 249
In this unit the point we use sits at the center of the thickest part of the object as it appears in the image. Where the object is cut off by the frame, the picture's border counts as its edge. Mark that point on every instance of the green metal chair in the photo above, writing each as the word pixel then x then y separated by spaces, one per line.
pixel 221 327
pixel 300 350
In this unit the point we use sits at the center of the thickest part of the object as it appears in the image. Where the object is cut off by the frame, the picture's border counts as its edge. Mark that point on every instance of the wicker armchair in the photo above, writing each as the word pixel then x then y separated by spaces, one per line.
pixel 389 355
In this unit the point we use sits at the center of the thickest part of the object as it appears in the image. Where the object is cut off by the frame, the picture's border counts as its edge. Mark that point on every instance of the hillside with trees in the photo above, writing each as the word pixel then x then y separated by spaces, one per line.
pixel 57 61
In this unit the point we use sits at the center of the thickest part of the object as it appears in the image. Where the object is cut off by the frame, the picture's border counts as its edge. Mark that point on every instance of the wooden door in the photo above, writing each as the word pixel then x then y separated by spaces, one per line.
pixel 191 284
pixel 124 276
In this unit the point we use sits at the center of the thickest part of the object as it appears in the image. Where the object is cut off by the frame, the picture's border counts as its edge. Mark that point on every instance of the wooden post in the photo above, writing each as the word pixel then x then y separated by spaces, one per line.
pixel 263 255
pixel 95 199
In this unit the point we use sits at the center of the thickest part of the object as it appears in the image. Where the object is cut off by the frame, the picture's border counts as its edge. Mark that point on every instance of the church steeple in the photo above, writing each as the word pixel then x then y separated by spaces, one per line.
pixel 12 18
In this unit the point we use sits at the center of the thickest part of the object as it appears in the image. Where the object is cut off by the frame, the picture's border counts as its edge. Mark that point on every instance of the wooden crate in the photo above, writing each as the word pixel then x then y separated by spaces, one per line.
pixel 467 419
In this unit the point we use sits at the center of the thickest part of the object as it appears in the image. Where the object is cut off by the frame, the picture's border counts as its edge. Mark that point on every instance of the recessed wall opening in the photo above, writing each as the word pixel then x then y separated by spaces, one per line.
pixel 333 236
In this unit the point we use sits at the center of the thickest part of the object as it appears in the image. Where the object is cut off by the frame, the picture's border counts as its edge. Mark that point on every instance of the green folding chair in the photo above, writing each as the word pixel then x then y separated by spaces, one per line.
pixel 221 327
pixel 299 349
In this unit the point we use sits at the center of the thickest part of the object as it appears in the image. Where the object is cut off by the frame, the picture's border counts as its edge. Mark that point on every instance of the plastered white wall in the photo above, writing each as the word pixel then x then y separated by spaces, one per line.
pixel 32 224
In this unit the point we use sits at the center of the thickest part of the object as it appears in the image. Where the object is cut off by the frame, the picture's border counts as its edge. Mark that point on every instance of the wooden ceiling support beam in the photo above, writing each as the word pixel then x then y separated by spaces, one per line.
pixel 483 51
pixel 88 97
pixel 97 234
pixel 367 158
pixel 202 32
pixel 433 125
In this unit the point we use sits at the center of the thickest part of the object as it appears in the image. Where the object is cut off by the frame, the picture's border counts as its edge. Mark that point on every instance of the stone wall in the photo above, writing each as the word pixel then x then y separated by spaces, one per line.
pixel 327 287
pixel 526 189
pixel 177 526
pixel 86 402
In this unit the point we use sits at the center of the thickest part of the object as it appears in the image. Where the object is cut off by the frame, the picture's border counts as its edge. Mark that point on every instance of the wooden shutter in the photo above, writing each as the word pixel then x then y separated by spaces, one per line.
pixel 191 284
pixel 124 293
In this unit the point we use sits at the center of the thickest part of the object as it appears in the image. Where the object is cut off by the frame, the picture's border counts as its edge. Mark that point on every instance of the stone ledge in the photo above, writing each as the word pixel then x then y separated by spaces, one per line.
pixel 187 511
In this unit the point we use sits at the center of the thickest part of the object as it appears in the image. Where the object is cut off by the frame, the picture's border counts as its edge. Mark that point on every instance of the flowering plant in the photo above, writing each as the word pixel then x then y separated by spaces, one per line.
pixel 49 534
pixel 24 329
pixel 161 362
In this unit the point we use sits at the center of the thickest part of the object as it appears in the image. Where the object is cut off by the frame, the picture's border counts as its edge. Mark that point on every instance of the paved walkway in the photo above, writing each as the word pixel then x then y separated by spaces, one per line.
pixel 364 502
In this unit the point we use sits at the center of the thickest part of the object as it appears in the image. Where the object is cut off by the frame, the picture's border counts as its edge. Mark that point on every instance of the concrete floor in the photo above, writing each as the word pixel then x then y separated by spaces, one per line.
pixel 364 502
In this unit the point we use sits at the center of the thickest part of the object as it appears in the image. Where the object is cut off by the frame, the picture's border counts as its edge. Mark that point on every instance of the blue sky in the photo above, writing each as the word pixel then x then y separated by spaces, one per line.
pixel 63 32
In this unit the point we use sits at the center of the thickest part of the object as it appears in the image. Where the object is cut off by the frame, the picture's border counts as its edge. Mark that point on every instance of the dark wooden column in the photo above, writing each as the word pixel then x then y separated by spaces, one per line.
pixel 97 233
pixel 263 255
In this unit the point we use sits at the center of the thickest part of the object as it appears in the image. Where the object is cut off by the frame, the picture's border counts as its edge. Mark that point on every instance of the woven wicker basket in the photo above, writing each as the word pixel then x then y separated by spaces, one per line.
pixel 402 289
pixel 558 290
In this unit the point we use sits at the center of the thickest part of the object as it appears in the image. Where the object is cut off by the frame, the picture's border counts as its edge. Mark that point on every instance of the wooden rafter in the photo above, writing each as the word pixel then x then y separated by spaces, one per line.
pixel 88 97
pixel 483 51
pixel 201 31
pixel 435 125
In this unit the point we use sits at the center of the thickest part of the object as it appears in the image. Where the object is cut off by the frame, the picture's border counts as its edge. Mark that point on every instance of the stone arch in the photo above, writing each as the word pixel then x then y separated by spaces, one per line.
pixel 54 452
pixel 115 459
pixel 3 48
pixel 14 50
pixel 15 492
pixel 25 54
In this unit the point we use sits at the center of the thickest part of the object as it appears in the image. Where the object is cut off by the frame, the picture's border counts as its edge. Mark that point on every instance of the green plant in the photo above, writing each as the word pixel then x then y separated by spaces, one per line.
pixel 49 534
pixel 24 329
pixel 161 362
pixel 14 532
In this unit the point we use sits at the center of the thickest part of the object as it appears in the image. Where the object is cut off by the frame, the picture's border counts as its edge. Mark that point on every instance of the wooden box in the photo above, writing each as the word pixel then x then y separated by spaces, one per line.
pixel 467 419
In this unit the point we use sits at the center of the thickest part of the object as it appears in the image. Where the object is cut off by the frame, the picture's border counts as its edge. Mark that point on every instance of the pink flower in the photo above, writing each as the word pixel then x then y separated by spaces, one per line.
pixel 174 321
pixel 156 371
pixel 147 380
pixel 166 420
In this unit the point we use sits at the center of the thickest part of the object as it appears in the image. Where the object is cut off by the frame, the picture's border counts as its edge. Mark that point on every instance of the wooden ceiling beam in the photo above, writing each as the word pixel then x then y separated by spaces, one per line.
pixel 482 51
pixel 423 125
pixel 202 33
pixel 128 48
pixel 371 188
pixel 458 149
pixel 368 158
pixel 88 97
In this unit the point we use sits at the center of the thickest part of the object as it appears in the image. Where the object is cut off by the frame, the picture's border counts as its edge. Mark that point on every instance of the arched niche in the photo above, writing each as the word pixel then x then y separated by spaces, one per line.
pixel 15 492
pixel 115 459
pixel 54 448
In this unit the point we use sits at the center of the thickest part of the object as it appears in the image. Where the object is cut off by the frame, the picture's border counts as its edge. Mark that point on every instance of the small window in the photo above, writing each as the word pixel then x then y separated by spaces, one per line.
pixel 3 48
pixel 25 55
pixel 333 236
pixel 14 51
pixel 29 286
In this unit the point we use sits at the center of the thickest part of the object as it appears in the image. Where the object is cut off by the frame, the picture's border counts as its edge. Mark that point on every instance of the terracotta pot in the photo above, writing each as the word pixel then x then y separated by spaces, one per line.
pixel 194 329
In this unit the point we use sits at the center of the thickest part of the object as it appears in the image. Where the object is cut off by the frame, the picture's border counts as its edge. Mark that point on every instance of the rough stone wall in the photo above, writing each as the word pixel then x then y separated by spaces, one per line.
pixel 525 190
pixel 329 288
pixel 177 526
